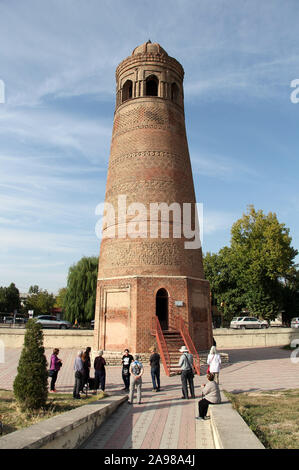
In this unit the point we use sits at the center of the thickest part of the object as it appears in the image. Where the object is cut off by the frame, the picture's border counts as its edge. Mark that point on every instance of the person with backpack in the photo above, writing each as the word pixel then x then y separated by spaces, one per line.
pixel 214 361
pixel 126 362
pixel 186 365
pixel 136 371
pixel 155 369
pixel 55 365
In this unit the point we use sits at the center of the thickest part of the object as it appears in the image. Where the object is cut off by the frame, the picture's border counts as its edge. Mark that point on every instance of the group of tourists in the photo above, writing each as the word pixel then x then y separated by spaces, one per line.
pixel 82 367
pixel 132 372
pixel 82 372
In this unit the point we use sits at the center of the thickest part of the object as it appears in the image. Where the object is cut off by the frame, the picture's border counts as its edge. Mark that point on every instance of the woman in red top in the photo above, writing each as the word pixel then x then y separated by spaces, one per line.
pixel 55 365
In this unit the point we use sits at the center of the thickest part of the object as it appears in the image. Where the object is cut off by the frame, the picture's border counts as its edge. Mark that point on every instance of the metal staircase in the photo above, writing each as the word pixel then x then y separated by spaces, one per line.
pixel 169 343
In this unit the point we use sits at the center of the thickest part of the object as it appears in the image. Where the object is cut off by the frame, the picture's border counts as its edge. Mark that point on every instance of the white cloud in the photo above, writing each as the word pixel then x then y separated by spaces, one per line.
pixel 216 221
pixel 220 167
pixel 30 241
pixel 56 130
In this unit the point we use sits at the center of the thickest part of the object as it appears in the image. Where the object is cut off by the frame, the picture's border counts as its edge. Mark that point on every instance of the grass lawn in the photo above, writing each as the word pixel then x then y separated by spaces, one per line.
pixel 13 419
pixel 273 416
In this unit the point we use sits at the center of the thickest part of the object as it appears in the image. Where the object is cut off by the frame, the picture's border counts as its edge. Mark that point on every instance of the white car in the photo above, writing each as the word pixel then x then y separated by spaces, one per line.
pixel 248 322
pixel 48 321
pixel 234 323
pixel 295 322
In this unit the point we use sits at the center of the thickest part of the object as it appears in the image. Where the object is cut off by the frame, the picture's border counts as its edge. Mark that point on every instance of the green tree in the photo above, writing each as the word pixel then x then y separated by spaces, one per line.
pixel 252 272
pixel 263 246
pixel 290 295
pixel 31 383
pixel 79 302
pixel 34 289
pixel 9 298
pixel 13 298
pixel 60 298
pixel 227 292
pixel 2 299
pixel 40 301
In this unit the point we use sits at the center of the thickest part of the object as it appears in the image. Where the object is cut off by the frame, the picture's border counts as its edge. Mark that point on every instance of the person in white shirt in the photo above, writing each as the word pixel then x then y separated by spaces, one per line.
pixel 214 361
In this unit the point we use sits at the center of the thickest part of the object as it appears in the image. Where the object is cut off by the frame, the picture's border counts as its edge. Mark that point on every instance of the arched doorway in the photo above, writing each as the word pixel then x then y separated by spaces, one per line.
pixel 162 308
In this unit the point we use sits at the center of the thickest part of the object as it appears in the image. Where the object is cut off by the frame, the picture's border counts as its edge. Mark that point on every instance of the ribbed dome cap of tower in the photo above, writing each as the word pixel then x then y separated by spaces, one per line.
pixel 149 48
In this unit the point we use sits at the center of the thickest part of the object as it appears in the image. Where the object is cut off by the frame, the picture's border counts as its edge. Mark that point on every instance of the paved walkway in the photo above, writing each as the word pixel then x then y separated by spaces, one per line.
pixel 163 420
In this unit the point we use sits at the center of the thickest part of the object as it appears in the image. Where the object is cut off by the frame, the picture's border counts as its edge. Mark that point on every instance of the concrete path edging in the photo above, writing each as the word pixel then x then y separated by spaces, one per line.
pixel 65 431
pixel 229 429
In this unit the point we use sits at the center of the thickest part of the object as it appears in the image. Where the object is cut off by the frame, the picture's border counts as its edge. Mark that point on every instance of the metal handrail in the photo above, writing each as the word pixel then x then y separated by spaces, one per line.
pixel 156 327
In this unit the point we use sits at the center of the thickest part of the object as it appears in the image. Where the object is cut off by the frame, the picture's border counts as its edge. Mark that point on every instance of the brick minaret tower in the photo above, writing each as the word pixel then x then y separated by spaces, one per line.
pixel 148 276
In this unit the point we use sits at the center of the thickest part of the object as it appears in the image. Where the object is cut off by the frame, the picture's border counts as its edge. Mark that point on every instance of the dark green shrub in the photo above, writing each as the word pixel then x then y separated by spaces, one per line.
pixel 31 383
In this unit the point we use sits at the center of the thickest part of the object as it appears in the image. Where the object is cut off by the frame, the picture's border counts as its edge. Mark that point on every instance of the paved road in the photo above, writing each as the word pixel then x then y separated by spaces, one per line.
pixel 163 420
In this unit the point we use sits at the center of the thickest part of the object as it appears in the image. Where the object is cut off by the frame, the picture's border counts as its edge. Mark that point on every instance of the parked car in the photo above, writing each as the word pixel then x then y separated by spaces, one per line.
pixel 48 321
pixel 295 322
pixel 248 322
pixel 234 322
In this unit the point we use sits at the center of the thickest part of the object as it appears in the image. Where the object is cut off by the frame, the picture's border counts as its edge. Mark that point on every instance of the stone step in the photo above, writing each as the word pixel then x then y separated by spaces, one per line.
pixel 173 338
pixel 114 358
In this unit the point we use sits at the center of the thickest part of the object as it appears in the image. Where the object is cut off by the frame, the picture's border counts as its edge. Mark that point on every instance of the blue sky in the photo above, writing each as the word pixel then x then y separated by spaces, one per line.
pixel 58 60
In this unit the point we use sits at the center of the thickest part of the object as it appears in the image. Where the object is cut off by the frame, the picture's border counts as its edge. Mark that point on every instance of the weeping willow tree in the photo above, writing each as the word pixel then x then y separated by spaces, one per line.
pixel 80 298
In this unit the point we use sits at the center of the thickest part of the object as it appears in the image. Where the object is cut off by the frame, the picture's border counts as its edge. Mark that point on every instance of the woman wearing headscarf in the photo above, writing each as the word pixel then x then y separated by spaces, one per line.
pixel 99 371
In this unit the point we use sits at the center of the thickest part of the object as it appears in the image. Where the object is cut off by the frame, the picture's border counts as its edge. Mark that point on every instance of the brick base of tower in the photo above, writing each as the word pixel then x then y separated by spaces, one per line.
pixel 126 307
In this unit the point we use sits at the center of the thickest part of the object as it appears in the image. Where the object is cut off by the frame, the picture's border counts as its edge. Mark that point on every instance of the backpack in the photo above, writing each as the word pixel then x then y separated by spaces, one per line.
pixel 136 368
